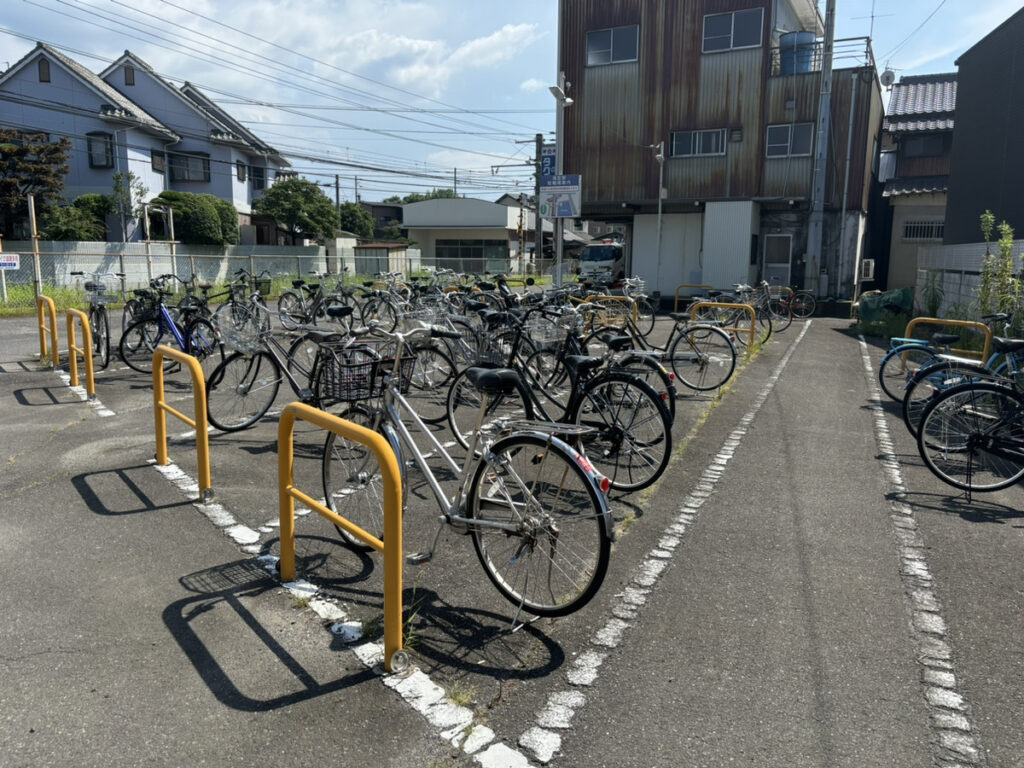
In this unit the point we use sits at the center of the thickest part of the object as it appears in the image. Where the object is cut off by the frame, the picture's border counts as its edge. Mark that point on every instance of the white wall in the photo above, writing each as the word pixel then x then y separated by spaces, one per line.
pixel 459 212
pixel 727 231
pixel 680 251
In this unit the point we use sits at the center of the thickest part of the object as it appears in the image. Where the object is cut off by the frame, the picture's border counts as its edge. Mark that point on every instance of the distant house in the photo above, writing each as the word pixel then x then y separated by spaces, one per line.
pixel 384 215
pixel 988 156
pixel 917 152
pixel 129 118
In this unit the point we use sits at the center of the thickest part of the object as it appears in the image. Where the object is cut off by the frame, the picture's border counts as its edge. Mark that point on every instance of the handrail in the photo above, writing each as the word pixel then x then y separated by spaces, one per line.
pixel 52 329
pixel 986 350
pixel 675 306
pixel 161 409
pixel 390 547
pixel 735 329
pixel 86 352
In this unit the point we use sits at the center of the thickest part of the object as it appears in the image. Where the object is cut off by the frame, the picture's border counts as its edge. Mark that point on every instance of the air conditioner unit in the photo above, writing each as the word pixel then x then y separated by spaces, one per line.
pixel 867 270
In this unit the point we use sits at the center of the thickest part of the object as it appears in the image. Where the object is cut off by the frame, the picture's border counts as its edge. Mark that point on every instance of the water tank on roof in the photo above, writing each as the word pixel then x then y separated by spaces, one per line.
pixel 796 52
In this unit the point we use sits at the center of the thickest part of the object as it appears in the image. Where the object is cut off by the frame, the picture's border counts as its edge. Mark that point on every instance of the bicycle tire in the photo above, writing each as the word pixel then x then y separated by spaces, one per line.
pixel 646 315
pixel 654 374
pixel 548 377
pixel 463 407
pixel 203 342
pixel 932 380
pixel 99 327
pixel 802 305
pixel 302 356
pixel 138 344
pixel 381 311
pixel 290 311
pixel 630 441
pixel 782 315
pixel 352 481
pixel 134 309
pixel 432 374
pixel 703 357
pixel 241 389
pixel 972 437
pixel 557 557
pixel 898 365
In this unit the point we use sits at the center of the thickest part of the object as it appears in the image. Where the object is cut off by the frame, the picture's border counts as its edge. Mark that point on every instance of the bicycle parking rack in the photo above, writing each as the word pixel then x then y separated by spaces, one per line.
pixel 85 351
pixel 51 329
pixel 395 659
pixel 984 329
pixel 690 286
pixel 606 300
pixel 161 409
pixel 726 305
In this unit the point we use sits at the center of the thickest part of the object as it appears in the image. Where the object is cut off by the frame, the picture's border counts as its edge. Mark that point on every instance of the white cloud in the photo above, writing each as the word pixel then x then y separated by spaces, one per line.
pixel 533 85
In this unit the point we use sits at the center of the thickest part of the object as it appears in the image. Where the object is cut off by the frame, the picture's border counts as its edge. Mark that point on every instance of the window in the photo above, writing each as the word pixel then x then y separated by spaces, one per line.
pixel 728 31
pixel 129 74
pixel 789 140
pixel 924 230
pixel 158 160
pixel 923 146
pixel 190 167
pixel 44 71
pixel 101 150
pixel 610 46
pixel 258 177
pixel 240 170
pixel 698 143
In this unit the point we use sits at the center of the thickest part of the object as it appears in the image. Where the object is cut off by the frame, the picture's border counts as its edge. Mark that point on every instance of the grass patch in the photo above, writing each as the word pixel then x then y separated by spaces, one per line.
pixel 461 695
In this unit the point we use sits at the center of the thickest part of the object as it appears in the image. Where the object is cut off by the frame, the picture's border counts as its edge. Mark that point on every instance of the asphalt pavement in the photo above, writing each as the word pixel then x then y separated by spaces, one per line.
pixel 798 590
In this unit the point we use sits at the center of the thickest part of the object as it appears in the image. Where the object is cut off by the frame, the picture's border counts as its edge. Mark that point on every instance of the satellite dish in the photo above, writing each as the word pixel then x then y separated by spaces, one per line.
pixel 888 78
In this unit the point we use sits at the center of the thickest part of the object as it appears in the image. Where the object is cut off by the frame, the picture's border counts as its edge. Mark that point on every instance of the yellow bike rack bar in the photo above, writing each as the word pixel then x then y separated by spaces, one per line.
pixel 746 307
pixel 86 351
pixel 44 329
pixel 675 307
pixel 161 409
pixel 986 350
pixel 612 299
pixel 390 547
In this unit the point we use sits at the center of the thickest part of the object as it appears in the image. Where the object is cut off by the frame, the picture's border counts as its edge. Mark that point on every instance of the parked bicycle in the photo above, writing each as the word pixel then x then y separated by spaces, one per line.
pixel 307 303
pixel 534 507
pixel 99 294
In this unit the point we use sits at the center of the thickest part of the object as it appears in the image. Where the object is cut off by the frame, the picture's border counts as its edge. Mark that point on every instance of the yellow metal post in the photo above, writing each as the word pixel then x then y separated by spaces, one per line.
pixel 390 547
pixel 726 305
pixel 161 409
pixel 981 327
pixel 51 309
pixel 86 351
pixel 691 286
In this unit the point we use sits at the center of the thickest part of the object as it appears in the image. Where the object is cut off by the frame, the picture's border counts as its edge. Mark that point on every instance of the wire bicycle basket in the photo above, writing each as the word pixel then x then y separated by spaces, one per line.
pixel 360 371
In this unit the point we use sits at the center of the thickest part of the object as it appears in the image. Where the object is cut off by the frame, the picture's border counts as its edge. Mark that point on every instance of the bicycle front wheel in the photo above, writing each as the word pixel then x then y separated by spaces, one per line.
pixel 464 407
pixel 99 326
pixel 541 532
pixel 645 317
pixel 972 437
pixel 932 380
pixel 432 375
pixel 899 365
pixel 630 440
pixel 138 344
pixel 703 357
pixel 290 310
pixel 802 304
pixel 241 390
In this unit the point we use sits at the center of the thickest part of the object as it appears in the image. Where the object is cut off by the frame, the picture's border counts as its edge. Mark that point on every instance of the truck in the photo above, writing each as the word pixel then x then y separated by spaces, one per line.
pixel 603 262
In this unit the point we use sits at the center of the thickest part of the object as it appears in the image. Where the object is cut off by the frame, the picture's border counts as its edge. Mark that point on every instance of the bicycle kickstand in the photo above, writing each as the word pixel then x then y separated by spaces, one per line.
pixel 419 558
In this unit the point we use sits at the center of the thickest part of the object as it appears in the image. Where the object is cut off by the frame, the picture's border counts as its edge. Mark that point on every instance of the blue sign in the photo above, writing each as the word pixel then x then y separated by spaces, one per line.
pixel 548 160
pixel 10 261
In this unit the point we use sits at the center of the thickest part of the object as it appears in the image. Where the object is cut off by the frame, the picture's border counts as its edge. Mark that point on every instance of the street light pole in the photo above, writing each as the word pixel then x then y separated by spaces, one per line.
pixel 558 92
pixel 660 157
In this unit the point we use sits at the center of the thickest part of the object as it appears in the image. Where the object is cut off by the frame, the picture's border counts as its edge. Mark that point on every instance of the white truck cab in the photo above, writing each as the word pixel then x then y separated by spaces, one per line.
pixel 603 262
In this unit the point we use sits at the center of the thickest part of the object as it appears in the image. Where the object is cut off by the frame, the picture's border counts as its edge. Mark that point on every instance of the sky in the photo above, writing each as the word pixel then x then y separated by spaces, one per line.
pixel 408 95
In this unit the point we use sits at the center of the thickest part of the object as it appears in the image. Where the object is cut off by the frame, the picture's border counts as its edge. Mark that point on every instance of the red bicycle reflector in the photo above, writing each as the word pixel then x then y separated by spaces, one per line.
pixel 605 485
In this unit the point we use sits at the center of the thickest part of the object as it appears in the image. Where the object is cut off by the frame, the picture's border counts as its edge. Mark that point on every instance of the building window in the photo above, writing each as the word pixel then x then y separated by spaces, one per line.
pixel 924 230
pixel 129 74
pixel 240 170
pixel 729 31
pixel 610 46
pixel 101 150
pixel 698 143
pixel 44 71
pixel 258 177
pixel 789 140
pixel 923 146
pixel 190 167
pixel 158 160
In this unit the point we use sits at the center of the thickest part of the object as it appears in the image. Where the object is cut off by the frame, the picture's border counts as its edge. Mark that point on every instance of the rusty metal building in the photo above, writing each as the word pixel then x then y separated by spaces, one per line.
pixel 716 103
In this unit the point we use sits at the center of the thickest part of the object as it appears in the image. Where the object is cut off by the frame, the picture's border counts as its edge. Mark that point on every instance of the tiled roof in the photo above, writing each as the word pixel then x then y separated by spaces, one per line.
pixel 920 185
pixel 922 103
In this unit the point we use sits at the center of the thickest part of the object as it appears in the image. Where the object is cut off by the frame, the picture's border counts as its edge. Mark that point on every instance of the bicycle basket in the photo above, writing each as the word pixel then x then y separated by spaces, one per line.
pixel 419 318
pixel 358 372
pixel 241 337
pixel 239 293
pixel 262 286
pixel 546 331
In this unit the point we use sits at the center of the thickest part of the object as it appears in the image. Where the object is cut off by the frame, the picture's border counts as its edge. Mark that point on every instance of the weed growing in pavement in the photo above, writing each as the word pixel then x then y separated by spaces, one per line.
pixel 373 627
pixel 300 602
pixel 461 695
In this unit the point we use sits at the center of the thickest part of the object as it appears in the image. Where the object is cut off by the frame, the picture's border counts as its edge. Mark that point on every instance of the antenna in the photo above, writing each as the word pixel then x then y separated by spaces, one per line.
pixel 887 78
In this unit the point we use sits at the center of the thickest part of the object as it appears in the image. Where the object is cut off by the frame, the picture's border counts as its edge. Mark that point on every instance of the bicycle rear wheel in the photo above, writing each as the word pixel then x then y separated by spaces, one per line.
pixel 138 344
pixel 241 390
pixel 972 437
pixel 630 440
pixel 645 316
pixel 99 326
pixel 290 310
pixel 932 380
pixel 432 374
pixel 899 365
pixel 703 357
pixel 802 305
pixel 544 542
pixel 464 407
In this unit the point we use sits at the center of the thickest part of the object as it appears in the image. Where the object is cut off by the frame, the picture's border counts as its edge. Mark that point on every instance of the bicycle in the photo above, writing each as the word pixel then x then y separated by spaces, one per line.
pixel 191 332
pixel 634 288
pixel 972 436
pixel 906 356
pixel 247 291
pixel 736 320
pixel 534 506
pixel 98 296
pixel 306 303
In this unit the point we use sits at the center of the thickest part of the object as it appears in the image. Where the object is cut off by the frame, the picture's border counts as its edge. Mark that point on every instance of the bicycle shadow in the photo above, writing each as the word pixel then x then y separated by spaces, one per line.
pixel 209 627
pixel 974 511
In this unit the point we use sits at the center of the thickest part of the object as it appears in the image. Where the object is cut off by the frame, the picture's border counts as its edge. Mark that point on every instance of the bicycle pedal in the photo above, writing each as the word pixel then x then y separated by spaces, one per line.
pixel 305 395
pixel 418 558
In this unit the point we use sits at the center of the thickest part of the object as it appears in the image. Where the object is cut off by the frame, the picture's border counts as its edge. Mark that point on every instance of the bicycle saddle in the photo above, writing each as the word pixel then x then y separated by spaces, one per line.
pixel 582 363
pixel 339 310
pixel 493 381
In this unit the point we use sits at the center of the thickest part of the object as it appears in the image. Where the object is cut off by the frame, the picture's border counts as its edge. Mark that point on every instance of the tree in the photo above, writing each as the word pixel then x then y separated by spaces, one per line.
pixel 29 164
pixel 196 220
pixel 70 222
pixel 127 198
pixel 419 197
pixel 356 219
pixel 228 219
pixel 301 206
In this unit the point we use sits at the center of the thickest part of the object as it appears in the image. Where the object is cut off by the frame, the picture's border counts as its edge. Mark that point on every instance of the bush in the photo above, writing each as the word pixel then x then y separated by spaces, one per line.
pixel 196 218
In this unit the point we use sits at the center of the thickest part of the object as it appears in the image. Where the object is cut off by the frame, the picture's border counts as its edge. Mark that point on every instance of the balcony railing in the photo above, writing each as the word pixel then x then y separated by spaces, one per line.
pixel 847 53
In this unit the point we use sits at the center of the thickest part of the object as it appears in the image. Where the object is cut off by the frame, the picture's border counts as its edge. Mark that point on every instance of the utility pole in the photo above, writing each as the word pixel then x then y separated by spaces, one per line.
pixel 538 226
pixel 337 193
pixel 455 181
pixel 815 233
pixel 357 188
